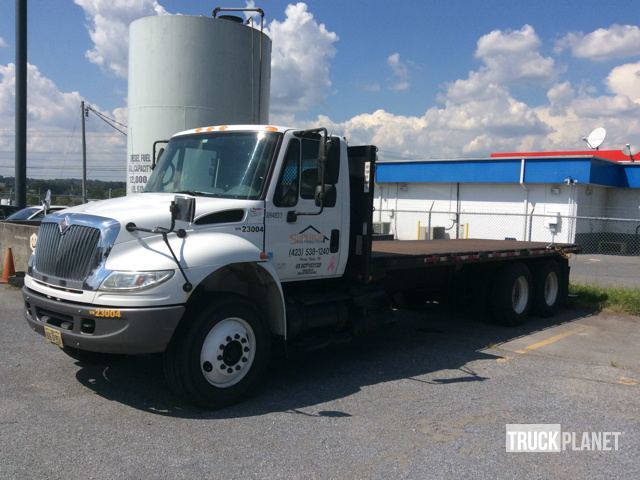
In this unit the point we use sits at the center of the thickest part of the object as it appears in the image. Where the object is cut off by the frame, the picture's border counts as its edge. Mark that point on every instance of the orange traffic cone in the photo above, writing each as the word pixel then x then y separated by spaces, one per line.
pixel 8 270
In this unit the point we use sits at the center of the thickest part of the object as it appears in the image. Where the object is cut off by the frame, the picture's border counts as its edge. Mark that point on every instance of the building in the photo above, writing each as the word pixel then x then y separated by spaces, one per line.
pixel 591 198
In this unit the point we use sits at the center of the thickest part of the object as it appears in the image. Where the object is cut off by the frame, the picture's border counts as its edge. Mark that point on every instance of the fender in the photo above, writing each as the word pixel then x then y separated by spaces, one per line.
pixel 204 255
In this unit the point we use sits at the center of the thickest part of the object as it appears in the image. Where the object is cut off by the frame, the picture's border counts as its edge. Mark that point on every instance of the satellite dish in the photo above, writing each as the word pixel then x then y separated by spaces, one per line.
pixel 596 138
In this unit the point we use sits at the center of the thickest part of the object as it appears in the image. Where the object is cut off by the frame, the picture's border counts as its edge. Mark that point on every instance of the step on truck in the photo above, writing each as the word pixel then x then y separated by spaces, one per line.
pixel 248 237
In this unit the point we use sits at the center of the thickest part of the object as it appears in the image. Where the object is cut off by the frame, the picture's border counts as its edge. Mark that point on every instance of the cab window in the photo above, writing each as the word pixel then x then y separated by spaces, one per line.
pixel 309 170
pixel 286 194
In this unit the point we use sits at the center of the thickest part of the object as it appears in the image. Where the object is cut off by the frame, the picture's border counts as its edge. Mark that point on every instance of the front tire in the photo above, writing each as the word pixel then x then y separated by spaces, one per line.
pixel 220 356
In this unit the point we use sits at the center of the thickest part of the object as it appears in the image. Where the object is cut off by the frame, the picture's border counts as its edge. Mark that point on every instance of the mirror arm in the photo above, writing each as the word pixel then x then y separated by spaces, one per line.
pixel 181 233
pixel 292 215
pixel 153 158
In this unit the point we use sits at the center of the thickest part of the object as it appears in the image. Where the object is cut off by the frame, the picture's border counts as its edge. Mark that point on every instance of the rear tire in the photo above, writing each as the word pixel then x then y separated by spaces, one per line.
pixel 220 356
pixel 547 288
pixel 511 294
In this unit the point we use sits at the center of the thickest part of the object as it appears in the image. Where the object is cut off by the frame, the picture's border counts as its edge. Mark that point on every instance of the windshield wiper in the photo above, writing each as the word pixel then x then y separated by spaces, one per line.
pixel 195 193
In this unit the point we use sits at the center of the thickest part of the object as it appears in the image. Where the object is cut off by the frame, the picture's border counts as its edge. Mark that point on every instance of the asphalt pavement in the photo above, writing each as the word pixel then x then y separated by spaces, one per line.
pixel 605 270
pixel 426 397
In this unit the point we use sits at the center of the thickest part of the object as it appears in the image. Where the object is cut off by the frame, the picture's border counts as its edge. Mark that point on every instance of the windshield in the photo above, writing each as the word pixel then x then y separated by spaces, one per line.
pixel 23 214
pixel 218 164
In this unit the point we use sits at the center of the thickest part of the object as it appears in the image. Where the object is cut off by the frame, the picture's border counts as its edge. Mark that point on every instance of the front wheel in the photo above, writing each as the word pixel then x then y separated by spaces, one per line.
pixel 220 357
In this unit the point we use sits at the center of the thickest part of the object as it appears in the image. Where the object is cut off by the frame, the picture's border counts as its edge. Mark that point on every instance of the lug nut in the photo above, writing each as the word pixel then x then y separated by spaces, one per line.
pixel 246 349
pixel 244 359
pixel 236 336
pixel 223 366
pixel 207 367
pixel 244 340
pixel 237 367
pixel 219 357
pixel 229 370
pixel 221 347
pixel 228 339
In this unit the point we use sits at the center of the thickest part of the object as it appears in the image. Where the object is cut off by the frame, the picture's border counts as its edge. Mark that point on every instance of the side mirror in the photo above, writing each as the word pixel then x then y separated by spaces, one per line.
pixel 46 203
pixel 332 168
pixel 183 208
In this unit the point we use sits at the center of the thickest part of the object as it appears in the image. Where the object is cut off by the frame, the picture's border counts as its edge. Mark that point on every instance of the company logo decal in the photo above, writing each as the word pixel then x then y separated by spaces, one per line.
pixel 308 235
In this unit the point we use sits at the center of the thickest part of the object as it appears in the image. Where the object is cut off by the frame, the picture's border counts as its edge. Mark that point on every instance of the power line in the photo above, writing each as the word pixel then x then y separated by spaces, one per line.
pixel 109 121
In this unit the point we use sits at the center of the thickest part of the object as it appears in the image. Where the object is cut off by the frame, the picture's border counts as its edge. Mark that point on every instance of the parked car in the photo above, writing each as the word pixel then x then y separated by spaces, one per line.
pixel 35 213
pixel 6 210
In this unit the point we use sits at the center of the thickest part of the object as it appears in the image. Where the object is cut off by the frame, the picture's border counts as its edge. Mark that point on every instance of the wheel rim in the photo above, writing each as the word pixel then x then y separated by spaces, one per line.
pixel 520 295
pixel 228 352
pixel 551 288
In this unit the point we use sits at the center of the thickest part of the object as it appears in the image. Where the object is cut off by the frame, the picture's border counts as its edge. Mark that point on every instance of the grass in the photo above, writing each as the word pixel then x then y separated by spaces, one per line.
pixel 623 300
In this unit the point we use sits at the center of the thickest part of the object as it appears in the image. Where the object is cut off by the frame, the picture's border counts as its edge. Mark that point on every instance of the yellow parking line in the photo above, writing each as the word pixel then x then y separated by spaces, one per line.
pixel 550 340
pixel 627 381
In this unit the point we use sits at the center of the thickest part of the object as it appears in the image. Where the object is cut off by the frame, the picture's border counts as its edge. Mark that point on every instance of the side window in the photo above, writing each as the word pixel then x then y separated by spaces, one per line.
pixel 309 171
pixel 286 194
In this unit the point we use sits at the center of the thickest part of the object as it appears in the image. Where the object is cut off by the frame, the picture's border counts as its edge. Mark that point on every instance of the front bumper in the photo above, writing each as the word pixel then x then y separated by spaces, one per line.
pixel 103 329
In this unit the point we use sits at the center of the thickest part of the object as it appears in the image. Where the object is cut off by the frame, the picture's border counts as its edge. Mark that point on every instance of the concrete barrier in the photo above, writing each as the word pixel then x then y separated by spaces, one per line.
pixel 21 239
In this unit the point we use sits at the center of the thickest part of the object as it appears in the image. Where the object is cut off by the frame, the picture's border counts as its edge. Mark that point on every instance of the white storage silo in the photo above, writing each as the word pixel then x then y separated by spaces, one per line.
pixel 187 72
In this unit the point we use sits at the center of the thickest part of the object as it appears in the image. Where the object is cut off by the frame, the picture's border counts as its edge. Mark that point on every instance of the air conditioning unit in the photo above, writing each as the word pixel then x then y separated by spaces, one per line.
pixel 436 233
pixel 381 228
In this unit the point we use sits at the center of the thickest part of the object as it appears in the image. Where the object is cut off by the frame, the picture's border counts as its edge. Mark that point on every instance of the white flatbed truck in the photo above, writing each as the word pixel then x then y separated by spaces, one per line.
pixel 248 234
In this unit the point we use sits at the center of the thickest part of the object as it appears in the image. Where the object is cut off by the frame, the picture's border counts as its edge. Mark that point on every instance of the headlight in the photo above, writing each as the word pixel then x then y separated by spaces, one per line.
pixel 123 281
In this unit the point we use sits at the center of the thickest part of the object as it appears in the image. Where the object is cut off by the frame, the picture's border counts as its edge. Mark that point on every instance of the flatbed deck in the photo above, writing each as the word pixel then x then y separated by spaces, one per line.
pixel 408 253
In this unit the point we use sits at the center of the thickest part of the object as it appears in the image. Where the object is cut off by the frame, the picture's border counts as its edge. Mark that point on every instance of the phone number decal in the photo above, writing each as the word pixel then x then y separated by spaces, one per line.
pixel 308 252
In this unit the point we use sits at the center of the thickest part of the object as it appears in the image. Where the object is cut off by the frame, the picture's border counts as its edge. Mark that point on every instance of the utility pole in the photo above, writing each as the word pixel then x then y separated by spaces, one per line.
pixel 84 155
pixel 21 105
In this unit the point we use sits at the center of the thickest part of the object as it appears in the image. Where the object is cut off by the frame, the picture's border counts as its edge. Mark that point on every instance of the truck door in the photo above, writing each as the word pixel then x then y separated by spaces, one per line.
pixel 303 246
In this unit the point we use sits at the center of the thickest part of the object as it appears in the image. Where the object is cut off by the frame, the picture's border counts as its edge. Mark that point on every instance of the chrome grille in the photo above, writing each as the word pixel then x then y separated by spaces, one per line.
pixel 70 255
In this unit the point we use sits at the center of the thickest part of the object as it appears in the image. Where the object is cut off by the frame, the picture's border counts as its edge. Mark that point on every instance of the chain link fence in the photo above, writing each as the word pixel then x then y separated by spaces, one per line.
pixel 596 235
pixel 610 246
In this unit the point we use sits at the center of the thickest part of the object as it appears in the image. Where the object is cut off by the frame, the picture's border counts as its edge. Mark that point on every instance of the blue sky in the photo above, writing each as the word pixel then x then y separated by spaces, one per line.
pixel 390 75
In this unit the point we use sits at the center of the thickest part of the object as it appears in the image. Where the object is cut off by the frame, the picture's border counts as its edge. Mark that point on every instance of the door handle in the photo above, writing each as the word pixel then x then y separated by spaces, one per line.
pixel 292 216
pixel 334 243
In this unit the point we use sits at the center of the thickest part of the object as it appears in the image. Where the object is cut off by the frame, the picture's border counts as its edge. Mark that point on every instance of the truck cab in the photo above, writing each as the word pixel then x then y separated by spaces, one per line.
pixel 269 206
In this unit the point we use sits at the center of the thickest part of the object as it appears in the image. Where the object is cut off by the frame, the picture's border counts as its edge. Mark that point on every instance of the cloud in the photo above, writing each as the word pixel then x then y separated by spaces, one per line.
pixel 625 80
pixel 108 26
pixel 400 72
pixel 509 57
pixel 617 41
pixel 478 114
pixel 301 55
pixel 53 121
pixel 513 56
pixel 3 43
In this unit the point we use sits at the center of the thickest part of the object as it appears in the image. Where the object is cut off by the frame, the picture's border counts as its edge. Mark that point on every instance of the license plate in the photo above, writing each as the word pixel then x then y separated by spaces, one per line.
pixel 53 336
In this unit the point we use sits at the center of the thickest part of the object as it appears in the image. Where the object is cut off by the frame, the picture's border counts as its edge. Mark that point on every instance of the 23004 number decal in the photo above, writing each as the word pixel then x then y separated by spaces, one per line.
pixel 105 313
pixel 252 228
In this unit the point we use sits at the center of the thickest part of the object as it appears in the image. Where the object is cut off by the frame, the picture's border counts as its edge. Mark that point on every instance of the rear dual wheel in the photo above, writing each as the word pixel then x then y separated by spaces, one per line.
pixel 548 288
pixel 511 295
pixel 516 292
